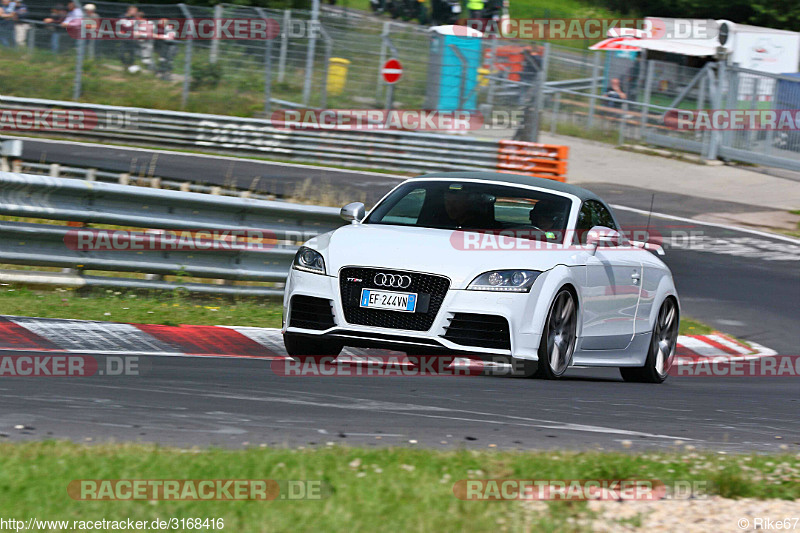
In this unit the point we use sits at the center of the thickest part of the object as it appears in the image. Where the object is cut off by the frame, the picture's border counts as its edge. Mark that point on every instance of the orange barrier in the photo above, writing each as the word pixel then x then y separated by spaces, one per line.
pixel 533 159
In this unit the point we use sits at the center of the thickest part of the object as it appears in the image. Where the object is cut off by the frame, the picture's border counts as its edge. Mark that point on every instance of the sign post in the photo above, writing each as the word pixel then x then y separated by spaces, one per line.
pixel 391 71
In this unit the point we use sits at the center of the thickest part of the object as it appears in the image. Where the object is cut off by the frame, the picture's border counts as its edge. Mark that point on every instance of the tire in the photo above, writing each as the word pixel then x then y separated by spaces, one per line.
pixel 558 337
pixel 302 347
pixel 661 352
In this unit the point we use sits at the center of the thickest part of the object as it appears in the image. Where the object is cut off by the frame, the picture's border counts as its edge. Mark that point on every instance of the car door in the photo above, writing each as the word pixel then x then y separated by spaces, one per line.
pixel 611 291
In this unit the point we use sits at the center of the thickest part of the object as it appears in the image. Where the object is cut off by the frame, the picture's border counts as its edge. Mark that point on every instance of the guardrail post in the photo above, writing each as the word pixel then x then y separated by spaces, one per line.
pixel 387 27
pixel 187 68
pixel 287 20
pixel 4 164
pixel 267 68
pixel 753 106
pixel 463 78
pixel 328 51
pixel 622 121
pixel 16 166
pixel 312 44
pixel 214 53
pixel 492 58
pixel 541 80
pixel 124 179
pixel 715 93
pixel 91 174
pixel 76 86
pixel 390 90
pixel 32 38
pixel 648 86
pixel 55 170
pixel 556 106
pixel 593 90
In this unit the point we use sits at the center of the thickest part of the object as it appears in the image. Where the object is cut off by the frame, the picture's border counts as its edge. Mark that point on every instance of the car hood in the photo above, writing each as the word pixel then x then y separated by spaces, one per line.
pixel 432 250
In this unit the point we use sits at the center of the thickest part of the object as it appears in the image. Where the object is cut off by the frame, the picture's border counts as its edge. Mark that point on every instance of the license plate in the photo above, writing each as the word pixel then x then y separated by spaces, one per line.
pixel 391 301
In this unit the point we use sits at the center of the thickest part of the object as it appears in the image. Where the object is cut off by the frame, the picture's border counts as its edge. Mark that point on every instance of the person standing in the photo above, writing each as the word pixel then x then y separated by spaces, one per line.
pixel 21 27
pixel 7 17
pixel 57 16
pixel 128 47
pixel 475 8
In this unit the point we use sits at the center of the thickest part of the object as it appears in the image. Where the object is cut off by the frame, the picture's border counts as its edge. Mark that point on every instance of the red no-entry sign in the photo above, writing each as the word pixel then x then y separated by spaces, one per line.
pixel 392 71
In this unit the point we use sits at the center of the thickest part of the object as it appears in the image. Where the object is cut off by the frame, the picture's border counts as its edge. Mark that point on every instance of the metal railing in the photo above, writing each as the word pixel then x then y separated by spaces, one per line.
pixel 265 241
pixel 396 150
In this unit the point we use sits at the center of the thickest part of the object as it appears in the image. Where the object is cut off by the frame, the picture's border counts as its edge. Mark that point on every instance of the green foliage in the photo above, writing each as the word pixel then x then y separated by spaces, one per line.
pixel 781 14
pixel 205 75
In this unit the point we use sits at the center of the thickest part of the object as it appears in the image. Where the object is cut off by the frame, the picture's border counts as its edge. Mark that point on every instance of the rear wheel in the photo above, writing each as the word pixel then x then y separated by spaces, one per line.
pixel 662 348
pixel 559 337
pixel 303 347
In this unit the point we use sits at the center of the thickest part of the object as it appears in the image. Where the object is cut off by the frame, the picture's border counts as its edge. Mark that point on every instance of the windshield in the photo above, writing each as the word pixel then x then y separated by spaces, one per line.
pixel 458 205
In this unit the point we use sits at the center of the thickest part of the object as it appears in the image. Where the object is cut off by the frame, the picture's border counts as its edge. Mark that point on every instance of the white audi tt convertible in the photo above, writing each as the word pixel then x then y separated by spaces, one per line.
pixel 500 267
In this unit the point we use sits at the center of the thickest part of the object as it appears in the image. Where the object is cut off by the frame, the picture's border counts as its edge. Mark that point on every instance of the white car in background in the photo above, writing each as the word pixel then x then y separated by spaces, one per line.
pixel 500 267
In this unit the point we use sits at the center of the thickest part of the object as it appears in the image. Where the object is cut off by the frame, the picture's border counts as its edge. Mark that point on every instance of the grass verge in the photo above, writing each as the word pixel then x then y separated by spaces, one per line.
pixel 367 488
pixel 169 308
pixel 114 306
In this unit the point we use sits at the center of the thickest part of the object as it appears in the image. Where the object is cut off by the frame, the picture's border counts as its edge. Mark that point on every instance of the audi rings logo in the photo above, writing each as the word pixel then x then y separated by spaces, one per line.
pixel 396 281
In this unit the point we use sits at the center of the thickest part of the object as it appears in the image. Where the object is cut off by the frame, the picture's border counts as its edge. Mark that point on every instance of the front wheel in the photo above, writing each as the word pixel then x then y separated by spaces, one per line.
pixel 662 348
pixel 559 337
pixel 302 346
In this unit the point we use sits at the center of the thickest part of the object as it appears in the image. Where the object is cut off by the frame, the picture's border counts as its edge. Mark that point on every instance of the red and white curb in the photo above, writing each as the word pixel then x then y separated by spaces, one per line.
pixel 95 337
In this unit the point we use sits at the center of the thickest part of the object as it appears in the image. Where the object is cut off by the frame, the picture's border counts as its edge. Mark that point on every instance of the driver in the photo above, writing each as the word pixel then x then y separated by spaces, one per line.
pixel 468 209
pixel 546 216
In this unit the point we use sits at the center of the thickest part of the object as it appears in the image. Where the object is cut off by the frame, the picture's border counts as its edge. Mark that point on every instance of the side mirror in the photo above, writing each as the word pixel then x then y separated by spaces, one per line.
pixel 353 212
pixel 601 235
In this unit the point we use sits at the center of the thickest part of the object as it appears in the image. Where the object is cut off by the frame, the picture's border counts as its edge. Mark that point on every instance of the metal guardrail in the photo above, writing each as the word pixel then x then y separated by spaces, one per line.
pixel 408 151
pixel 76 201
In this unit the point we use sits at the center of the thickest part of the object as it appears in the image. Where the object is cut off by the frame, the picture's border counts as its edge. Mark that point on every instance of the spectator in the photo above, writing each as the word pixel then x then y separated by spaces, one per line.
pixel 21 27
pixel 73 13
pixel 475 9
pixel 166 47
pixel 57 16
pixel 144 38
pixel 615 91
pixel 91 21
pixel 129 47
pixel 7 17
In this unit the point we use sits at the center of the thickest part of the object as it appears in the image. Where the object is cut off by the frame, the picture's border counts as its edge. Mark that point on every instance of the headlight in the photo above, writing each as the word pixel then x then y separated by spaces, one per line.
pixel 308 260
pixel 505 281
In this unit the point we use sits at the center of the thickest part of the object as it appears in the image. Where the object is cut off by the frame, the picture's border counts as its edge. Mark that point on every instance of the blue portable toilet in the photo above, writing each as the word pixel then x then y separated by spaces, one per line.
pixel 455 57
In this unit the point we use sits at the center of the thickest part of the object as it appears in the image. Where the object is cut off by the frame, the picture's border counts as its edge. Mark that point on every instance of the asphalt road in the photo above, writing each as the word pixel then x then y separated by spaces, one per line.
pixel 234 403
pixel 745 284
pixel 266 177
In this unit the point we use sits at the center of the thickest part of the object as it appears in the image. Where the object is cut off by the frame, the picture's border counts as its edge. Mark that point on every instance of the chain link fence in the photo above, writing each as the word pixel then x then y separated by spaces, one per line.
pixel 332 59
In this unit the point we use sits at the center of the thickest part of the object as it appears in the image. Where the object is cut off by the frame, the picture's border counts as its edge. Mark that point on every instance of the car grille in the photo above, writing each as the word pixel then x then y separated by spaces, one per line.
pixel 431 290
pixel 310 313
pixel 486 331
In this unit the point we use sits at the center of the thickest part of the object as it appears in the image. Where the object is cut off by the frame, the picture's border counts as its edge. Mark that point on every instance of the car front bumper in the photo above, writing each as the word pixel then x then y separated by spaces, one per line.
pixel 514 307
